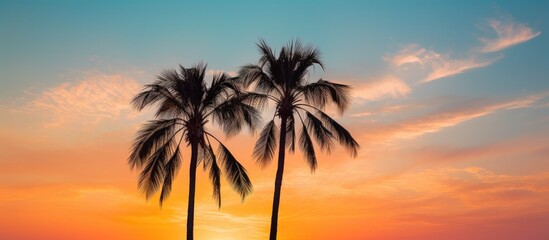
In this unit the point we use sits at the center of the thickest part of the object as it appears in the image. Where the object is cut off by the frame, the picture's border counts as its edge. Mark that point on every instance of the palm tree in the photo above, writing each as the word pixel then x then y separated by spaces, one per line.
pixel 184 104
pixel 283 79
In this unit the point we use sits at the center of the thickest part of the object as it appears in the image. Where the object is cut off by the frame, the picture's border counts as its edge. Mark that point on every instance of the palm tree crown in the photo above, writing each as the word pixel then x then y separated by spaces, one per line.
pixel 184 103
pixel 283 79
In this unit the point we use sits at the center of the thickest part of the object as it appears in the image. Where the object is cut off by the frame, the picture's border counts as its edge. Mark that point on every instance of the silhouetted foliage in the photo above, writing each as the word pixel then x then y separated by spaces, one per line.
pixel 283 79
pixel 184 103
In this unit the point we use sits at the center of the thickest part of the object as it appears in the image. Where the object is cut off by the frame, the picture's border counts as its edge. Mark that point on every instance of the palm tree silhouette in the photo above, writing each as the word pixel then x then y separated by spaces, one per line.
pixel 283 79
pixel 184 104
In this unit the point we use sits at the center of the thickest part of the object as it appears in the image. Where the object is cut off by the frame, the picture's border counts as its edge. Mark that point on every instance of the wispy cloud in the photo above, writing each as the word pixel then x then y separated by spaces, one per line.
pixel 428 181
pixel 535 147
pixel 387 86
pixel 419 199
pixel 212 72
pixel 95 98
pixel 385 109
pixel 412 53
pixel 438 120
pixel 222 223
pixel 508 33
pixel 433 64
pixel 446 67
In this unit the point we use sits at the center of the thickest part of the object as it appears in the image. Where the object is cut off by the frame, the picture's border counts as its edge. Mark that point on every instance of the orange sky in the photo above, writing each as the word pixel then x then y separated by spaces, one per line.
pixel 450 107
pixel 64 176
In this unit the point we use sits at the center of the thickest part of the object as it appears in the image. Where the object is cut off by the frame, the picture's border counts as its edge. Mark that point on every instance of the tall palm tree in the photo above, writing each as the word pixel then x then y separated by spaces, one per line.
pixel 184 104
pixel 283 79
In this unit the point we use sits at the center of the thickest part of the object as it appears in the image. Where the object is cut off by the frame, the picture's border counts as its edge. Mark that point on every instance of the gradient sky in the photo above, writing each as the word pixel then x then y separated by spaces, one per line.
pixel 451 108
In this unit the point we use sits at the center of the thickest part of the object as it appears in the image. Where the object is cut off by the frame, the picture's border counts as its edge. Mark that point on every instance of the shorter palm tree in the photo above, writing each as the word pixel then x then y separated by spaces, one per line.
pixel 184 104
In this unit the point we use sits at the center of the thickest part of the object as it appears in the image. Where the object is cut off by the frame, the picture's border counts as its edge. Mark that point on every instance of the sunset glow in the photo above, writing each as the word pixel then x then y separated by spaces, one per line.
pixel 450 107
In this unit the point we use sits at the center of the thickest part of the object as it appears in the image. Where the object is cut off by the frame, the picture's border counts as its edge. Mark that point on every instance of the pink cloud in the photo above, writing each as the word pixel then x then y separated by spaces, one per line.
pixel 436 121
pixel 419 199
pixel 386 109
pixel 508 34
pixel 95 98
pixel 412 53
pixel 433 64
pixel 446 67
pixel 533 146
pixel 387 86
pixel 212 72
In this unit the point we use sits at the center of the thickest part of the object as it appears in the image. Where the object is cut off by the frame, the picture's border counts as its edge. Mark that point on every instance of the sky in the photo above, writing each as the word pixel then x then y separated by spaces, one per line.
pixel 450 107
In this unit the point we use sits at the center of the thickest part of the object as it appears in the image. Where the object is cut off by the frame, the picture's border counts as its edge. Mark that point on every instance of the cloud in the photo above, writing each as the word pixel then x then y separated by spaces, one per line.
pixel 212 72
pixel 353 180
pixel 438 120
pixel 219 224
pixel 412 53
pixel 535 147
pixel 95 98
pixel 387 86
pixel 435 65
pixel 446 67
pixel 385 109
pixel 508 33
pixel 432 64
pixel 416 199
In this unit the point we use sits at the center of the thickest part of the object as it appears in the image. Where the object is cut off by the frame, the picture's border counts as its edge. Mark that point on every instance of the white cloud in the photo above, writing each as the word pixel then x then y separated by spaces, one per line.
pixel 509 33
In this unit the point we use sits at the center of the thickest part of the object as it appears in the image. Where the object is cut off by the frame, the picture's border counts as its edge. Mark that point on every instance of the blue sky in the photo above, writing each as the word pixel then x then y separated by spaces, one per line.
pixel 353 35
pixel 452 96
pixel 46 44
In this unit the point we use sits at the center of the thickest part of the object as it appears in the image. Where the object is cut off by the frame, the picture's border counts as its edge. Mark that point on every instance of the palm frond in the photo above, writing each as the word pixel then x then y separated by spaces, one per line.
pixel 233 114
pixel 215 176
pixel 229 117
pixel 306 145
pixel 148 96
pixel 322 92
pixel 310 56
pixel 343 136
pixel 220 89
pixel 168 108
pixel 152 176
pixel 150 137
pixel 322 135
pixel 290 134
pixel 171 169
pixel 262 82
pixel 193 85
pixel 236 174
pixel 256 100
pixel 251 116
pixel 203 154
pixel 153 93
pixel 267 54
pixel 266 144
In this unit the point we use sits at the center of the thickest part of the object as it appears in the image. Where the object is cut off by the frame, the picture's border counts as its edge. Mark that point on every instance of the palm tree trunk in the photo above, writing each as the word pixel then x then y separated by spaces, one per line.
pixel 278 180
pixel 192 188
